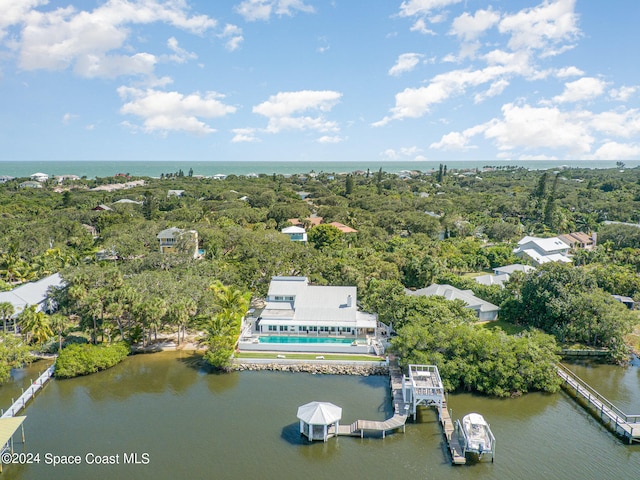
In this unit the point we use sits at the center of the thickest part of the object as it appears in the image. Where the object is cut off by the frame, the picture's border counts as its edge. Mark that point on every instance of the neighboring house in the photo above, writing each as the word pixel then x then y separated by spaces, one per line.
pixel 627 301
pixel 5 178
pixel 343 228
pixel 40 177
pixel 295 233
pixel 91 229
pixel 30 184
pixel 311 221
pixel 219 176
pixel 102 208
pixel 580 240
pixel 295 307
pixel 484 310
pixel 543 250
pixel 62 178
pixel 502 274
pixel 516 267
pixel 33 293
pixel 175 239
pixel 175 193
pixel 303 195
pixel 126 200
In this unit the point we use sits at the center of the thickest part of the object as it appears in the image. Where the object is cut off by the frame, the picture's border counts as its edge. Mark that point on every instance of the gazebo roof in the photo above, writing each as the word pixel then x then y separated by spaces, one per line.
pixel 319 413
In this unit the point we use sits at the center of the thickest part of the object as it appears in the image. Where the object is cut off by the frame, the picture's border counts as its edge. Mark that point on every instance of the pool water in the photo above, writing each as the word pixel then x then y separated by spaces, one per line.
pixel 280 339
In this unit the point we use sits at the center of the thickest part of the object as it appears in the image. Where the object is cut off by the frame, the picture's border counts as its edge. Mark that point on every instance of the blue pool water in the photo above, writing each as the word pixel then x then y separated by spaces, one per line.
pixel 277 339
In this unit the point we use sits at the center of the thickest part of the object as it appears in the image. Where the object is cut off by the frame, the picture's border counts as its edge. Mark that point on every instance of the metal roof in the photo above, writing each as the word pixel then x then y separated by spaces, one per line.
pixel 319 413
pixel 34 293
pixel 452 293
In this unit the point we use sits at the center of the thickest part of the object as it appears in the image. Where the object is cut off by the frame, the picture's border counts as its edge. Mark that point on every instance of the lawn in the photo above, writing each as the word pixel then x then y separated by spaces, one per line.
pixel 508 327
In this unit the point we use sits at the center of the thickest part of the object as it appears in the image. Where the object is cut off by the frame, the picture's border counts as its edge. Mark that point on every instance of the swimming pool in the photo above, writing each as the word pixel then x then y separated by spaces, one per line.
pixel 281 339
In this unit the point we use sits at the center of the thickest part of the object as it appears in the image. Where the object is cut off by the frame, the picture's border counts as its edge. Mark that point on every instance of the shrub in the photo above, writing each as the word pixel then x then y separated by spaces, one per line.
pixel 83 359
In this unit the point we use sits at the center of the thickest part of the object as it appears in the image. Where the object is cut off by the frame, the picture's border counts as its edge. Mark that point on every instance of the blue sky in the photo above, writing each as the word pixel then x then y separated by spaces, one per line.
pixel 335 80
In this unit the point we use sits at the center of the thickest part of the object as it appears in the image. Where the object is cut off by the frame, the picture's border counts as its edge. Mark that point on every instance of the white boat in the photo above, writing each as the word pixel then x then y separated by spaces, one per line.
pixel 478 437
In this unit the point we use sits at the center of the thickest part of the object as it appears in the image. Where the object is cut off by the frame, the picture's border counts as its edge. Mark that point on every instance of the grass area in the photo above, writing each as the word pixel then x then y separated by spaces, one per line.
pixel 309 356
pixel 508 327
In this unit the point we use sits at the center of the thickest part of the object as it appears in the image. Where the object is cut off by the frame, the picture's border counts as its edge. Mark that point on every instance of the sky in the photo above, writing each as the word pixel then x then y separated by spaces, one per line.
pixel 319 80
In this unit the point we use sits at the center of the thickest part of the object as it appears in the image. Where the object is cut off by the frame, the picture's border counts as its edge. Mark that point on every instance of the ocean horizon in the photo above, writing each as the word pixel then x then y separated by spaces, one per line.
pixel 91 169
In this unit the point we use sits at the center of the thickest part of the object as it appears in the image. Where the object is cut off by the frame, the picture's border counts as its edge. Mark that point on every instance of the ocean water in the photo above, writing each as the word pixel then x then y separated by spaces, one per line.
pixel 93 169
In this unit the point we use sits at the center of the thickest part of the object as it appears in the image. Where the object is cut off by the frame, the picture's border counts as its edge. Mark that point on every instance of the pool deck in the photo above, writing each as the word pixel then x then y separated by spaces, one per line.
pixel 362 346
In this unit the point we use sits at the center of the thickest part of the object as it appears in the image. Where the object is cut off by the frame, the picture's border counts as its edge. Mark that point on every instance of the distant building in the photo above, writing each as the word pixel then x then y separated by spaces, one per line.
pixel 6 178
pixel 175 193
pixel 126 200
pixel 311 221
pixel 343 228
pixel 175 239
pixel 510 269
pixel 102 207
pixel 485 311
pixel 501 275
pixel 40 177
pixel 295 233
pixel 579 240
pixel 30 184
pixel 626 301
pixel 543 250
pixel 219 176
pixel 62 178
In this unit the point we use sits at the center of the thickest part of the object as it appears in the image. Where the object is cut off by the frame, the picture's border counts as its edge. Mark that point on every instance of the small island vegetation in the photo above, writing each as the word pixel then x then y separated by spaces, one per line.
pixel 82 359
pixel 410 230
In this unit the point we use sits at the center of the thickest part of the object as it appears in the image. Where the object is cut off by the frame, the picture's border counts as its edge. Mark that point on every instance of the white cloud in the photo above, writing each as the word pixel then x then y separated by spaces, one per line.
pixel 253 10
pixel 405 63
pixel 244 135
pixel 89 40
pixel 233 36
pixel 470 27
pixel 458 141
pixel 617 151
pixel 330 139
pixel 420 26
pixel 541 27
pixel 619 123
pixel 180 55
pixel 569 72
pixel 403 153
pixel 15 12
pixel 281 110
pixel 409 8
pixel 623 93
pixel 172 111
pixel 586 88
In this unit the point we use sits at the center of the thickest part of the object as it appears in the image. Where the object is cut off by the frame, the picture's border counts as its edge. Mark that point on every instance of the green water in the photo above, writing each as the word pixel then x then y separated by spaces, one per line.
pixel 243 425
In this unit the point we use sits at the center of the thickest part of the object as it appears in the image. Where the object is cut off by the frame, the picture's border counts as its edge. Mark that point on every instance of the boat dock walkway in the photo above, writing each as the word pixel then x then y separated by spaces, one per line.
pixel 29 393
pixel 453 441
pixel 626 426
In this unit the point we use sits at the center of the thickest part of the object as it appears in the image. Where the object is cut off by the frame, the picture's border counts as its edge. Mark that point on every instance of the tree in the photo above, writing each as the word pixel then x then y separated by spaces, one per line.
pixel 230 305
pixel 6 312
pixel 348 188
pixel 324 236
pixel 13 354
pixel 59 323
pixel 35 325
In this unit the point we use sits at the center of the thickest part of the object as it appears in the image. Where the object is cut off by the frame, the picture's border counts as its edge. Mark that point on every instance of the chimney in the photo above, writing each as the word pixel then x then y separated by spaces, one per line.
pixel 349 300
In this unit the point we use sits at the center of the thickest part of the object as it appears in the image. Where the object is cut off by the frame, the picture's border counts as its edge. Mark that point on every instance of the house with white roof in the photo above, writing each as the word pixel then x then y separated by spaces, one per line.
pixel 175 239
pixel 501 275
pixel 40 177
pixel 295 233
pixel 543 250
pixel 33 293
pixel 485 311
pixel 294 307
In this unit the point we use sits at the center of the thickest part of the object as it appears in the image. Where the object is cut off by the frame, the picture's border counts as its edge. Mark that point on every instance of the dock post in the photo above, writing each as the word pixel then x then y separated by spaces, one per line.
pixel 22 427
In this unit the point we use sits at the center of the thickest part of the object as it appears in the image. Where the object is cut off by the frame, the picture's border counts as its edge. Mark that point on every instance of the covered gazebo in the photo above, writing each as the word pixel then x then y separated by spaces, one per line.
pixel 317 417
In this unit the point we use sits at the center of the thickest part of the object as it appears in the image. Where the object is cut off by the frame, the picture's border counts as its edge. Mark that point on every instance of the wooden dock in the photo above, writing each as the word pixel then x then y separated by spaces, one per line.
pixel 626 426
pixel 453 441
pixel 29 393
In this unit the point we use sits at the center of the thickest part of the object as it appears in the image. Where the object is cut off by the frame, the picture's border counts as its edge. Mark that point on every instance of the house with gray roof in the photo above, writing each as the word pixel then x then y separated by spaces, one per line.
pixel 295 307
pixel 543 250
pixel 33 293
pixel 485 311
pixel 174 239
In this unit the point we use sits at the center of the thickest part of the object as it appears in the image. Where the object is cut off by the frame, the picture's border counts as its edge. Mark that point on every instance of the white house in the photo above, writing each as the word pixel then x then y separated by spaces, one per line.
pixel 170 240
pixel 543 250
pixel 40 177
pixel 175 193
pixel 502 274
pixel 484 310
pixel 34 293
pixel 295 307
pixel 295 233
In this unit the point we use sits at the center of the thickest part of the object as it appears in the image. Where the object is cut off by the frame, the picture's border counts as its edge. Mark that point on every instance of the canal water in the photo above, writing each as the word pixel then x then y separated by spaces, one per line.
pixel 179 421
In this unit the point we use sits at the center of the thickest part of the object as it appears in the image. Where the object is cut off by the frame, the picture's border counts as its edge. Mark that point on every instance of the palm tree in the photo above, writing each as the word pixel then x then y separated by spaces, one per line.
pixel 59 323
pixel 6 312
pixel 35 325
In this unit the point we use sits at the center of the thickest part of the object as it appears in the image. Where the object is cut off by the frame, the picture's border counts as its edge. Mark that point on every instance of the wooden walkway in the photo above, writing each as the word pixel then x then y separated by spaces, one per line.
pixel 453 441
pixel 626 426
pixel 29 393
